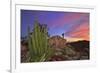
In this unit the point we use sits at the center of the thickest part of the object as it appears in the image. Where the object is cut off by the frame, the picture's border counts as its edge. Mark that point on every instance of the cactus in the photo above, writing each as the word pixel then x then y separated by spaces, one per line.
pixel 39 49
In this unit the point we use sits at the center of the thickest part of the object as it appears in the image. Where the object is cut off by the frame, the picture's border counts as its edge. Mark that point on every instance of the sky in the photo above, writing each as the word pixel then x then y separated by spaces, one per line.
pixel 72 24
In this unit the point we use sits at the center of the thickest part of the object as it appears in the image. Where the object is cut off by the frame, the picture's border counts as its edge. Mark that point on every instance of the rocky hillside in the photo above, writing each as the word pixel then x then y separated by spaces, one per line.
pixel 63 50
pixel 82 47
pixel 78 50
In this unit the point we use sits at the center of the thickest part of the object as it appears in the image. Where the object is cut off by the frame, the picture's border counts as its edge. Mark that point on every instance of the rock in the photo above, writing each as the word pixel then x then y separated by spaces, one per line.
pixel 57 42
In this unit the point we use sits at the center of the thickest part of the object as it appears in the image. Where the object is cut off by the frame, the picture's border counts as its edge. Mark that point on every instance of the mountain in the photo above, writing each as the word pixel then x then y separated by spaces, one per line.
pixel 82 47
pixel 79 45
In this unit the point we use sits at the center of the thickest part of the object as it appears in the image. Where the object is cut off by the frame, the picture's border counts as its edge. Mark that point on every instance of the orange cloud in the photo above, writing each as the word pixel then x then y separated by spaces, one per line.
pixel 81 32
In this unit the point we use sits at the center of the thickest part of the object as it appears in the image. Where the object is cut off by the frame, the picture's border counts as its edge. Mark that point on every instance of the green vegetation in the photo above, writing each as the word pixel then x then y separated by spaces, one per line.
pixel 39 49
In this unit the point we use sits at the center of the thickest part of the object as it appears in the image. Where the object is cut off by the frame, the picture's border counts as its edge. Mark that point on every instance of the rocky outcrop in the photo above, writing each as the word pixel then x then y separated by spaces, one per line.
pixel 57 42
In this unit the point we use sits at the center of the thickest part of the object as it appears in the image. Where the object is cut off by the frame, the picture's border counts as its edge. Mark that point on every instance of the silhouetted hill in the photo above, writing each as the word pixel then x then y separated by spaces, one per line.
pixel 81 46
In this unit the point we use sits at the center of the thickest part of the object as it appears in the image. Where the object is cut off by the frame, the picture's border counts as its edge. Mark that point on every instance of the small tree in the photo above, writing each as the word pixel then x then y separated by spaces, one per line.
pixel 63 35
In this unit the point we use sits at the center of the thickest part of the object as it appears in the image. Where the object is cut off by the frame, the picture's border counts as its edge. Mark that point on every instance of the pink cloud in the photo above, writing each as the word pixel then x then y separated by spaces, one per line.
pixel 81 32
pixel 66 19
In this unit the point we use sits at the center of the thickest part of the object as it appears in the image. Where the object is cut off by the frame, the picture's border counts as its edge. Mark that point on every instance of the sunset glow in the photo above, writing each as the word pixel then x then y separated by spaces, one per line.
pixel 73 24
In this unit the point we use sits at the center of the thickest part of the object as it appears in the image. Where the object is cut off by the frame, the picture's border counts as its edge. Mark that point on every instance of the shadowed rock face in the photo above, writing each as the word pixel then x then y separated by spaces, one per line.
pixel 57 42
pixel 82 48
